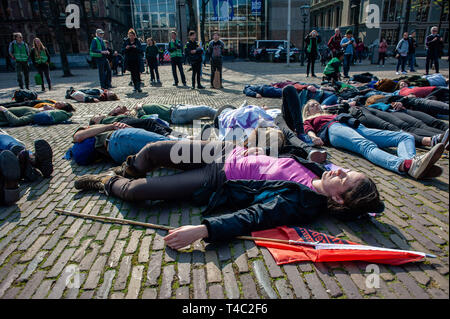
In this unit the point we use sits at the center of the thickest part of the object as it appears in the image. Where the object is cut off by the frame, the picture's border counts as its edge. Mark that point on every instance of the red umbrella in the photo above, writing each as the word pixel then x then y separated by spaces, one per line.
pixel 306 245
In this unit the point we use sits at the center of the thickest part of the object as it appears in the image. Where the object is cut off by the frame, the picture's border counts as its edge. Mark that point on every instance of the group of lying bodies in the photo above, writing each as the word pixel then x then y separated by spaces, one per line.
pixel 263 172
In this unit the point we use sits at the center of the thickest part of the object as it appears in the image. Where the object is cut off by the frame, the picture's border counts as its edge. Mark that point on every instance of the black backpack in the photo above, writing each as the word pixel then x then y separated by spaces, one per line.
pixel 24 95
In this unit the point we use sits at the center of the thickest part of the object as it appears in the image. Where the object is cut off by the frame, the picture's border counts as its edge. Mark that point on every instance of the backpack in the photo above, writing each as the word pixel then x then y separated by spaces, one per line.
pixel 24 95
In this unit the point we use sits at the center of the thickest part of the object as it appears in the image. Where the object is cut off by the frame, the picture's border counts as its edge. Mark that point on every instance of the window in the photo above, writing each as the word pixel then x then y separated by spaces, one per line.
pixel 392 9
pixel 420 36
pixel 172 20
pixel 155 23
pixel 163 21
pixel 153 6
pixel 391 36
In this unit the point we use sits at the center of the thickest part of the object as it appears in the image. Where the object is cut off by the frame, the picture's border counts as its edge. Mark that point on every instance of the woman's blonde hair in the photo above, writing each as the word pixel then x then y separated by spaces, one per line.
pixel 131 30
pixel 40 47
pixel 270 135
pixel 306 112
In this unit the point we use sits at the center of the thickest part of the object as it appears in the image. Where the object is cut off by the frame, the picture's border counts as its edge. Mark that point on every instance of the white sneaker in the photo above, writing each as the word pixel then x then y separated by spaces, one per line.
pixel 421 164
pixel 397 73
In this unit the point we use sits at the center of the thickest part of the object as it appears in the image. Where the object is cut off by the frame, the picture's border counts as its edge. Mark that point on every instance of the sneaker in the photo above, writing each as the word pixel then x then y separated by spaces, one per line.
pixel 317 156
pixel 175 84
pixel 93 182
pixel 9 178
pixel 27 171
pixel 43 157
pixel 404 72
pixel 185 84
pixel 201 87
pixel 397 73
pixel 159 82
pixel 433 172
pixel 139 90
pixel 422 163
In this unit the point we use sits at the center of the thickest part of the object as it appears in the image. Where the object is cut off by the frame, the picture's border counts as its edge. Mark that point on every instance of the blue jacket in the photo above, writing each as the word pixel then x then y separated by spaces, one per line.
pixel 265 91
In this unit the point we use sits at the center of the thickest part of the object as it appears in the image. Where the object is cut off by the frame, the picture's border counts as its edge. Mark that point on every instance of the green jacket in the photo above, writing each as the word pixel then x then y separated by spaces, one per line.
pixel 24 115
pixel 164 112
pixel 334 66
pixel 175 49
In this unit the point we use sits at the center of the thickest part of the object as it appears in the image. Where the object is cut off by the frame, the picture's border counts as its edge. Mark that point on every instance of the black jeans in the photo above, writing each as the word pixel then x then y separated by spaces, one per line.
pixel 402 61
pixel 310 64
pixel 22 67
pixel 181 186
pixel 216 66
pixel 134 68
pixel 381 57
pixel 196 68
pixel 153 64
pixel 431 107
pixel 43 69
pixel 292 110
pixel 177 62
pixel 432 57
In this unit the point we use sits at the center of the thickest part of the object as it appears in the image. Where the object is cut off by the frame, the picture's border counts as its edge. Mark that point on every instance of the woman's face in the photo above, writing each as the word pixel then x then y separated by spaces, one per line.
pixel 336 183
pixel 314 108
pixel 131 36
pixel 403 85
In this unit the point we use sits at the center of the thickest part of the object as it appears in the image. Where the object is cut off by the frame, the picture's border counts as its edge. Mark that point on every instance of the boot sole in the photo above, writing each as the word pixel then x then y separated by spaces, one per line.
pixel 433 172
pixel 44 157
pixel 439 149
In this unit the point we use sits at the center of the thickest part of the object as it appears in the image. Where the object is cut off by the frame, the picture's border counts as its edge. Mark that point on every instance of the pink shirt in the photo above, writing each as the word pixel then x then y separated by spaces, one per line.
pixel 262 167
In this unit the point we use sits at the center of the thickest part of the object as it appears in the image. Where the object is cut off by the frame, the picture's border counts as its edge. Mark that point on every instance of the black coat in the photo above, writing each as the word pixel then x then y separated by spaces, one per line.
pixel 197 56
pixel 250 205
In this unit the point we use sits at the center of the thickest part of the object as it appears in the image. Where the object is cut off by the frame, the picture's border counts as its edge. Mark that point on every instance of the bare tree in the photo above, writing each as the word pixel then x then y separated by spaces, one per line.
pixel 192 20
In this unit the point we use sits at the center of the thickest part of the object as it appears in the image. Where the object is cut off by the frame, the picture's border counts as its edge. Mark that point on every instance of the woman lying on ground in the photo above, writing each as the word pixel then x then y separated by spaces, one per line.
pixel 256 191
pixel 172 114
pixel 91 95
pixel 25 115
pixel 238 123
pixel 344 131
pixel 42 104
pixel 114 141
pixel 428 92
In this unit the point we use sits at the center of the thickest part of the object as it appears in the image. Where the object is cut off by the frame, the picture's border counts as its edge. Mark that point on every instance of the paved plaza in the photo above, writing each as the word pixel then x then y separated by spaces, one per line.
pixel 40 250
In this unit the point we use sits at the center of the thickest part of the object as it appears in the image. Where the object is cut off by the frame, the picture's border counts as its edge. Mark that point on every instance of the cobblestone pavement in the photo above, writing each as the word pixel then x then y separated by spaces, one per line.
pixel 39 249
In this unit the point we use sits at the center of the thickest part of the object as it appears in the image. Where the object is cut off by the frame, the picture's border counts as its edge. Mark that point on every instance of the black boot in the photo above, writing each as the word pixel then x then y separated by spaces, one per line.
pixel 93 182
pixel 43 157
pixel 128 170
pixel 9 178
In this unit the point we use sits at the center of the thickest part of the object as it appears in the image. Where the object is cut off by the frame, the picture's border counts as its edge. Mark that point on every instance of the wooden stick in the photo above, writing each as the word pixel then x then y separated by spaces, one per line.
pixel 155 226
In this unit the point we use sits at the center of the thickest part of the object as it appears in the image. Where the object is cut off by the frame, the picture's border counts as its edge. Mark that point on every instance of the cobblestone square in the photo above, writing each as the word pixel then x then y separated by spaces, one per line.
pixel 40 249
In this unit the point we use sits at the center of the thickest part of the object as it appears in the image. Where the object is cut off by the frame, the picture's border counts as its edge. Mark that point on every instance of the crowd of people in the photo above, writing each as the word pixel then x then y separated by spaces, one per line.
pixel 267 167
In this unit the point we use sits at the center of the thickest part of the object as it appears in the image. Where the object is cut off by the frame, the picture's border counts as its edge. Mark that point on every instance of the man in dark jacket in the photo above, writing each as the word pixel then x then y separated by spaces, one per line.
pixel 215 51
pixel 335 42
pixel 433 43
pixel 194 53
pixel 412 51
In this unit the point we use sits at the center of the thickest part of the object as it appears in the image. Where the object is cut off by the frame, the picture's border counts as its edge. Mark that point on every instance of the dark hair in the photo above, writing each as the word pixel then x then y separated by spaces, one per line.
pixel 358 201
pixel 68 107
pixel 339 54
pixel 192 33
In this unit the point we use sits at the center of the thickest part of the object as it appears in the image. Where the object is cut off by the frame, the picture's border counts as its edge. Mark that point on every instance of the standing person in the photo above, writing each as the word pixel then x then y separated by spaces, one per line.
pixel 41 60
pixel 382 49
pixel 195 52
pixel 132 49
pixel 335 42
pixel 311 40
pixel 176 58
pixel 348 45
pixel 109 58
pixel 359 50
pixel 402 49
pixel 99 53
pixel 151 54
pixel 215 53
pixel 117 62
pixel 412 51
pixel 19 52
pixel 433 43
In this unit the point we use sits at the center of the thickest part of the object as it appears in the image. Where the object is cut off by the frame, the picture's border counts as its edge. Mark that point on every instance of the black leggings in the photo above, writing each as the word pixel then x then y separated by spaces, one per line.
pixel 440 93
pixel 381 57
pixel 199 171
pixel 153 65
pixel 310 65
pixel 196 68
pixel 43 69
pixel 428 106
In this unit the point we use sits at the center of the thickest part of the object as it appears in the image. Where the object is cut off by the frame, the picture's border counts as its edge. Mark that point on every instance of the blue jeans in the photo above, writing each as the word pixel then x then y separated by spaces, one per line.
pixel 104 72
pixel 411 61
pixel 347 61
pixel 184 114
pixel 368 143
pixel 7 142
pixel 130 141
pixel 330 100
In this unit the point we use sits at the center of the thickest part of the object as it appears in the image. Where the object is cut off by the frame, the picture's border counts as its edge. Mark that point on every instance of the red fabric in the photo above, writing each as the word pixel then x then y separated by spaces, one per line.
pixel 317 123
pixel 284 253
pixel 417 91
